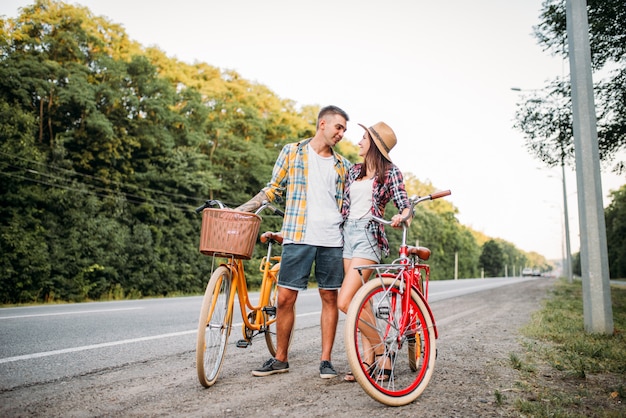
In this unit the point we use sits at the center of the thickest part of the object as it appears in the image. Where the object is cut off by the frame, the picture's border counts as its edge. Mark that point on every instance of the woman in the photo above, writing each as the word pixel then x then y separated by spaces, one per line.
pixel 370 185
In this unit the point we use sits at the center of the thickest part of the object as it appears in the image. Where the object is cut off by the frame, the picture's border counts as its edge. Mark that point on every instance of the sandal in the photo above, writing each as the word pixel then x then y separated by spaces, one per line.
pixel 378 374
pixel 349 377
pixel 383 375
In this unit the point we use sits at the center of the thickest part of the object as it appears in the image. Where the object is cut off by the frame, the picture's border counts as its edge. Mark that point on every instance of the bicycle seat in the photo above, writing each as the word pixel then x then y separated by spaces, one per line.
pixel 269 235
pixel 422 253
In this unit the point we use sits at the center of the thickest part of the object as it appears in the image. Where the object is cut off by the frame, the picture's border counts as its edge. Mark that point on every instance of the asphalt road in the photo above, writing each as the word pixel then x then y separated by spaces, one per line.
pixel 45 343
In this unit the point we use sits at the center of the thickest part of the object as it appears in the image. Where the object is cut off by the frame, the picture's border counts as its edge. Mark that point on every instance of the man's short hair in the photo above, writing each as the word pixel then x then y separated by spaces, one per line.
pixel 331 110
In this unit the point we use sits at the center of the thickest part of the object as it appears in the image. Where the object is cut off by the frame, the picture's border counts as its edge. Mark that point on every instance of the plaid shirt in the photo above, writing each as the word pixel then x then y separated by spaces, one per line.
pixel 392 189
pixel 290 174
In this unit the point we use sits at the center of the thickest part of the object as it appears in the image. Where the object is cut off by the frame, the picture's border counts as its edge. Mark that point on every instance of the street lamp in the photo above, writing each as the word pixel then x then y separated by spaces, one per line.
pixel 568 252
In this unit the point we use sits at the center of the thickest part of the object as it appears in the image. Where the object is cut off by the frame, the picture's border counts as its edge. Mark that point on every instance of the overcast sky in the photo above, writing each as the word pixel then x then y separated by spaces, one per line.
pixel 439 73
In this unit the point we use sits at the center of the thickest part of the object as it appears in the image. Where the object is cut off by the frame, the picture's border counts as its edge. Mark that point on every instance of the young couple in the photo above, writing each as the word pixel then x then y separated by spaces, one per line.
pixel 328 208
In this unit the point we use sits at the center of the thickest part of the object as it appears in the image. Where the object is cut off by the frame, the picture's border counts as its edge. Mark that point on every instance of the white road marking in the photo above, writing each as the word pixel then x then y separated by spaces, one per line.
pixel 68 313
pixel 112 343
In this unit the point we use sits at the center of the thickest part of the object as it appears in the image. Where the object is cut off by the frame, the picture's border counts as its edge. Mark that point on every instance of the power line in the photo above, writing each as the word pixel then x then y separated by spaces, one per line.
pixel 102 180
pixel 129 198
pixel 99 190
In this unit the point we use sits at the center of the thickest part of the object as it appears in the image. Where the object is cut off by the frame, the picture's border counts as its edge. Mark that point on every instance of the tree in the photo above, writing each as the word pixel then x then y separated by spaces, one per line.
pixel 435 226
pixel 491 259
pixel 106 148
pixel 545 118
pixel 511 257
pixel 615 215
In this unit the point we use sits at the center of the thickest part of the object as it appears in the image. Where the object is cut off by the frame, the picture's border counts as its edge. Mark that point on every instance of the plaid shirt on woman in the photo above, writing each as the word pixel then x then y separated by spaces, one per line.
pixel 392 188
pixel 290 174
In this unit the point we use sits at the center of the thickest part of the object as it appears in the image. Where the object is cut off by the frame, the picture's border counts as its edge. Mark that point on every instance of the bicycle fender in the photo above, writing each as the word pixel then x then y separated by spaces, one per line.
pixel 430 312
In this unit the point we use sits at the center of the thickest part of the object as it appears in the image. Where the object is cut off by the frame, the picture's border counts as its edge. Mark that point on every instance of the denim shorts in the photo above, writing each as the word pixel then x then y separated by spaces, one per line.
pixel 359 241
pixel 298 259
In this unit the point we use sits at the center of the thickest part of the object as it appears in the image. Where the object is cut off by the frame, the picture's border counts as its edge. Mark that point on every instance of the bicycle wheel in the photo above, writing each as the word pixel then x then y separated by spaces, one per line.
pixel 214 326
pixel 270 320
pixel 374 349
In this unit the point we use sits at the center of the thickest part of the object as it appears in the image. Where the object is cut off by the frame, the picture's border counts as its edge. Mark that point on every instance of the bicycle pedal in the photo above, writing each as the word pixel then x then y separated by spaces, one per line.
pixel 270 310
pixel 243 344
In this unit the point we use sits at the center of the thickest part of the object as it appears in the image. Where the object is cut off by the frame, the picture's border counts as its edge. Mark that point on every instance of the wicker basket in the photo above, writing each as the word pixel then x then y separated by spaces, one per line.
pixel 229 232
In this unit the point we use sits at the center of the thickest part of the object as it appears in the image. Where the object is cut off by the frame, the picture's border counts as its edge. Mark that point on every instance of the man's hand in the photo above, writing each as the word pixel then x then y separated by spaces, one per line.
pixel 254 203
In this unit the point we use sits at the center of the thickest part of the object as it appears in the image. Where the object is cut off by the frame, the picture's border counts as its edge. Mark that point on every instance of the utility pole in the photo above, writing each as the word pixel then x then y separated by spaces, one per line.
pixel 598 313
pixel 568 254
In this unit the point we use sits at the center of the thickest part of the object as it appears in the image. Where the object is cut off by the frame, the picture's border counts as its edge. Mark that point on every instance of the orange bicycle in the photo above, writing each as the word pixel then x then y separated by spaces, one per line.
pixel 389 314
pixel 231 235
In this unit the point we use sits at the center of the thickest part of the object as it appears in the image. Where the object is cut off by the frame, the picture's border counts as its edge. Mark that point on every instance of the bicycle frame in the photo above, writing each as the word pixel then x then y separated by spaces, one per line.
pixel 409 270
pixel 409 275
pixel 227 282
pixel 389 314
pixel 269 267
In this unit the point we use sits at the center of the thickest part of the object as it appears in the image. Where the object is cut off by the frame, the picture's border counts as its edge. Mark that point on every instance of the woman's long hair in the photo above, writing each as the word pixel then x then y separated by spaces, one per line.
pixel 374 159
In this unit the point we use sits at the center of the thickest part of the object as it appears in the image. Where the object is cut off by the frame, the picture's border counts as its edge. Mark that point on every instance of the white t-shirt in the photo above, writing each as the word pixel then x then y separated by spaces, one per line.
pixel 323 217
pixel 361 199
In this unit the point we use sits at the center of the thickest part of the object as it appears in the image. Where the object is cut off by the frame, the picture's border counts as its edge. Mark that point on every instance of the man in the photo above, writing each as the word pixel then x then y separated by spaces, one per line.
pixel 312 177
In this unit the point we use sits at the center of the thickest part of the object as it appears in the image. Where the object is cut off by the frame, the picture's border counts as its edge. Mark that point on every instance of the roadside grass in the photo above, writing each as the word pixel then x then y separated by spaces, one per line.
pixel 565 371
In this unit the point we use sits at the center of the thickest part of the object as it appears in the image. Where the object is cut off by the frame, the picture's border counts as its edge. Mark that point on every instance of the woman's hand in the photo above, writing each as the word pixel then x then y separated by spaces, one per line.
pixel 396 221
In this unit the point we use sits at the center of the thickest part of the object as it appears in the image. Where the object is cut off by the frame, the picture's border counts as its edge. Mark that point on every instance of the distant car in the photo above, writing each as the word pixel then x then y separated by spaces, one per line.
pixel 527 272
pixel 536 272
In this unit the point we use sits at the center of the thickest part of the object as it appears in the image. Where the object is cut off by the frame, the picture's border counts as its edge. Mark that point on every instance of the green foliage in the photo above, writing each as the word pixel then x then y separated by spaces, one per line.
pixel 545 118
pixel 435 226
pixel 500 398
pixel 106 148
pixel 492 259
pixel 615 216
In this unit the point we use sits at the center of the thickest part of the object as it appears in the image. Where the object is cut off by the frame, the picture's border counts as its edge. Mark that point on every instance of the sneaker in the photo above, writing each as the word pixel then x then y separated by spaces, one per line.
pixel 271 366
pixel 327 371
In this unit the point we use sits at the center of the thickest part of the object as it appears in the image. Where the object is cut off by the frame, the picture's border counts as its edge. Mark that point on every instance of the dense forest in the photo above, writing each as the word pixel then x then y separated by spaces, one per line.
pixel 107 147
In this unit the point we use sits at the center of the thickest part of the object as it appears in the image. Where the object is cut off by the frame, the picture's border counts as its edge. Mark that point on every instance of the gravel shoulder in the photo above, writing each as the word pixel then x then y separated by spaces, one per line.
pixel 477 334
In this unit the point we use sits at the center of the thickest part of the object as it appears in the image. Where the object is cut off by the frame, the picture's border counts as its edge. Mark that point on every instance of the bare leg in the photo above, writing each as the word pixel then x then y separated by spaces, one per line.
pixel 285 316
pixel 328 321
pixel 352 281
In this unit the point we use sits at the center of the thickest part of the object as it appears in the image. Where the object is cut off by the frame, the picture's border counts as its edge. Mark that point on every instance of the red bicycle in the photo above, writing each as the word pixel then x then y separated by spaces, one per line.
pixel 388 315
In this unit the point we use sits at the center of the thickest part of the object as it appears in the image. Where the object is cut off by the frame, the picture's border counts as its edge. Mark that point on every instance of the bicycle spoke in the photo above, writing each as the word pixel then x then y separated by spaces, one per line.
pixel 393 364
pixel 215 325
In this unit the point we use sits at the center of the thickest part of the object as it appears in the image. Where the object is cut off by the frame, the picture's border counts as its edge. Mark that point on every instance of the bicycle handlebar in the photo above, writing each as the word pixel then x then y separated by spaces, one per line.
pixel 414 201
pixel 440 194
pixel 265 204
pixel 274 209
pixel 210 203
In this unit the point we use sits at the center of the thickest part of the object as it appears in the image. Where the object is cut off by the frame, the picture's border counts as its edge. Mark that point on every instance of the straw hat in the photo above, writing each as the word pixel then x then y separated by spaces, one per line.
pixel 383 137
